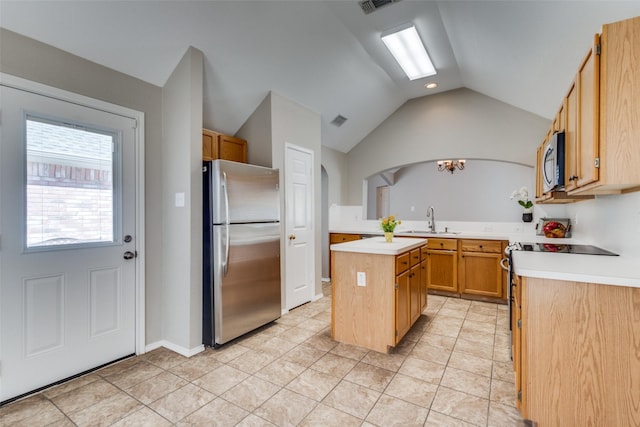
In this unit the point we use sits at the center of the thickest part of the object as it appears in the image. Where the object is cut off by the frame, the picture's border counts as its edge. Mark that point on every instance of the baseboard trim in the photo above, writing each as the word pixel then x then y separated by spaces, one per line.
pixel 186 352
pixel 317 297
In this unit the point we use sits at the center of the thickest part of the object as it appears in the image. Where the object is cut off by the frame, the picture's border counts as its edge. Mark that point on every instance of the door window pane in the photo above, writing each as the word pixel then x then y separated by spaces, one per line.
pixel 70 186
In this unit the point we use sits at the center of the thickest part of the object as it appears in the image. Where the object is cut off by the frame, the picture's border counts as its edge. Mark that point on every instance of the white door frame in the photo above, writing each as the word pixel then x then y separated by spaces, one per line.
pixel 74 98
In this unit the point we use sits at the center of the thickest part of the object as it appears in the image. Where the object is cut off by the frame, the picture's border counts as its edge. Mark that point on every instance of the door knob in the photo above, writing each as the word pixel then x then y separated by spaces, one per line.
pixel 129 255
pixel 292 237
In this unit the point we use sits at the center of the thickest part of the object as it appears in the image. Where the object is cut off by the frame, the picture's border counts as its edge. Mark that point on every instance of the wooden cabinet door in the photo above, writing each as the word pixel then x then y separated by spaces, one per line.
pixel 442 269
pixel 571 139
pixel 539 187
pixel 414 293
pixel 403 318
pixel 481 274
pixel 423 285
pixel 232 148
pixel 587 141
pixel 209 144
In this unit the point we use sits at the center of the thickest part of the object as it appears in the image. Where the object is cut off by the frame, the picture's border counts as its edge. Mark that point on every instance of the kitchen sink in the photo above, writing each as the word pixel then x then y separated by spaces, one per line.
pixel 440 233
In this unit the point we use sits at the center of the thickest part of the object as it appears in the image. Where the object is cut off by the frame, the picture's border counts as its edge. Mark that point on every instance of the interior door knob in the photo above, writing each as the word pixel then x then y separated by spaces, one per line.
pixel 129 255
pixel 292 237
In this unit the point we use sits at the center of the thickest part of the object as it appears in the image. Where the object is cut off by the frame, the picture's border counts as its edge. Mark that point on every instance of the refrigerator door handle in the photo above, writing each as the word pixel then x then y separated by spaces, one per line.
pixel 226 198
pixel 225 262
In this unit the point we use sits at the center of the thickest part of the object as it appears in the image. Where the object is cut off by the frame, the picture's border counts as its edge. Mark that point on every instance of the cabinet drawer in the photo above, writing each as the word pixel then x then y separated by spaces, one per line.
pixel 424 251
pixel 491 246
pixel 342 237
pixel 447 244
pixel 402 262
pixel 415 257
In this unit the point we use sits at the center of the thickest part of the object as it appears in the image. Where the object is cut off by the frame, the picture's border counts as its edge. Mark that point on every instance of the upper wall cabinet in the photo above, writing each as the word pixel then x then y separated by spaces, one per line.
pixel 218 146
pixel 601 118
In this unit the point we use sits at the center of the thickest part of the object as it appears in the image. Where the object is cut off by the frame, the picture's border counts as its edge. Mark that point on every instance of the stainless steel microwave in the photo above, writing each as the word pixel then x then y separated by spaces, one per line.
pixel 553 163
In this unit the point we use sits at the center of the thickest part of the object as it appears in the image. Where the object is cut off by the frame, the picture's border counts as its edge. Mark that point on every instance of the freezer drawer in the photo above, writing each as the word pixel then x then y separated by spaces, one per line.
pixel 246 279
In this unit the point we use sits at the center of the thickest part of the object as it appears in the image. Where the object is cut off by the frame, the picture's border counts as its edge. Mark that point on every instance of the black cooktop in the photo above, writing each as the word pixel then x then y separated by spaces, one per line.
pixel 564 248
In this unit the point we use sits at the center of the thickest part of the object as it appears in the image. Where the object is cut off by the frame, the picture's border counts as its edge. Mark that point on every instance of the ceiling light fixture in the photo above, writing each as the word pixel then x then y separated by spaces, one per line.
pixel 450 165
pixel 407 48
pixel 431 85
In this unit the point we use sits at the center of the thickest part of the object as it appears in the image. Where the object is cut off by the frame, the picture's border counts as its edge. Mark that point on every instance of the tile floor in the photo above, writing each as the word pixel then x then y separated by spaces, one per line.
pixel 452 369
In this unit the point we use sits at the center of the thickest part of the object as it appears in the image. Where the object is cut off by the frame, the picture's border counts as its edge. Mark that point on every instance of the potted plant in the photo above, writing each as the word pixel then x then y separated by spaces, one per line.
pixel 522 196
pixel 388 225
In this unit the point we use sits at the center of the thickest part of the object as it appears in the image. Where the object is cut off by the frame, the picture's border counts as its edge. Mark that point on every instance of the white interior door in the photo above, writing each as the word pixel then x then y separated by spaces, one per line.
pixel 67 223
pixel 300 286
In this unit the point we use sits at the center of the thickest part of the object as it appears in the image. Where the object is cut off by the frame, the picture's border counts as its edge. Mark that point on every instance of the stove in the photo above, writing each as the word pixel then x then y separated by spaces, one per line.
pixel 562 248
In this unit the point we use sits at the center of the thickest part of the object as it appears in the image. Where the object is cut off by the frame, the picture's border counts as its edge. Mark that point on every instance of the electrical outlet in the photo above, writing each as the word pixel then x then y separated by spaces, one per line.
pixel 361 278
pixel 575 219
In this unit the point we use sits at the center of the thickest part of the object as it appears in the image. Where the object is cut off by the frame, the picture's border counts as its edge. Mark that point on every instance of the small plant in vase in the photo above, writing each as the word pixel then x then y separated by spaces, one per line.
pixel 522 196
pixel 388 225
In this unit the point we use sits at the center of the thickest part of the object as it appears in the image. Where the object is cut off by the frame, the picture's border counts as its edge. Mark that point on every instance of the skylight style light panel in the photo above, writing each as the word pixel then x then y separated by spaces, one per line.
pixel 407 49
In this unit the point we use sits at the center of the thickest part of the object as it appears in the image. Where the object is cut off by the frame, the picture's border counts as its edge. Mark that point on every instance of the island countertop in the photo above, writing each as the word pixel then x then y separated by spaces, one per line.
pixel 377 245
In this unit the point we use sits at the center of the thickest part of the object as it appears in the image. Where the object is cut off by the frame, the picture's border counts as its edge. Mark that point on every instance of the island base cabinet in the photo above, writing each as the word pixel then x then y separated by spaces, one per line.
pixel 364 315
pixel 580 353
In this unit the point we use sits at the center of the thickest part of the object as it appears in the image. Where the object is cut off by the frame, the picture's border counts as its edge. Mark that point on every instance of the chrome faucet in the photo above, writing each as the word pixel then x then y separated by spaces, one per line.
pixel 431 218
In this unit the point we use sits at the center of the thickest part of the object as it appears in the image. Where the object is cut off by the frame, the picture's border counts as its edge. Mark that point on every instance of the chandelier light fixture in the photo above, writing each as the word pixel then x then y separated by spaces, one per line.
pixel 450 165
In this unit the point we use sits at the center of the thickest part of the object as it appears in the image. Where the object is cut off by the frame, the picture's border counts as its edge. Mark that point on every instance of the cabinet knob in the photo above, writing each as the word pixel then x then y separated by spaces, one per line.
pixel 292 236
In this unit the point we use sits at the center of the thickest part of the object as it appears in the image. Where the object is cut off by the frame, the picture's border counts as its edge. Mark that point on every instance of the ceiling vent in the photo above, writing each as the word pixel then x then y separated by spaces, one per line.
pixel 339 120
pixel 369 6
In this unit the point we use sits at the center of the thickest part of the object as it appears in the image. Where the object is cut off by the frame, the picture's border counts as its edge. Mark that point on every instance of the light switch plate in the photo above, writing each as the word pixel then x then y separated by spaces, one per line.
pixel 361 278
pixel 179 200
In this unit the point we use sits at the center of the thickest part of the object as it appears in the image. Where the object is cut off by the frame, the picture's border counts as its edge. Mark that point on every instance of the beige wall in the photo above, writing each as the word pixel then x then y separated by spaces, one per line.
pixel 182 226
pixel 457 124
pixel 257 131
pixel 295 124
pixel 29 59
pixel 335 163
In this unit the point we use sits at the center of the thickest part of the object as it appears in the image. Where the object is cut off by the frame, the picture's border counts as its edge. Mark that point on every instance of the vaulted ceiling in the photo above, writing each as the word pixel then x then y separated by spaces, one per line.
pixel 327 55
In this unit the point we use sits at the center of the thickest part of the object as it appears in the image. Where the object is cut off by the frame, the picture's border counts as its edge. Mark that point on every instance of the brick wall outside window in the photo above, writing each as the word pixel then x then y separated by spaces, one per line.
pixel 68 204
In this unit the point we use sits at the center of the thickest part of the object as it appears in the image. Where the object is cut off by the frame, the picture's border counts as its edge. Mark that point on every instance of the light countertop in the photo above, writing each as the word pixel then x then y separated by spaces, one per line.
pixel 608 270
pixel 377 245
pixel 602 269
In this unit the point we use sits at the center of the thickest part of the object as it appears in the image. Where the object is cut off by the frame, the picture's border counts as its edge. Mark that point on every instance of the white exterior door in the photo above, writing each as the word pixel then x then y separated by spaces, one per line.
pixel 299 238
pixel 68 240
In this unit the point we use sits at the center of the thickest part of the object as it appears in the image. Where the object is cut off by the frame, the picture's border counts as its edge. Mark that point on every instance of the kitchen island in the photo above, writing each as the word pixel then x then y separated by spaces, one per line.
pixel 378 290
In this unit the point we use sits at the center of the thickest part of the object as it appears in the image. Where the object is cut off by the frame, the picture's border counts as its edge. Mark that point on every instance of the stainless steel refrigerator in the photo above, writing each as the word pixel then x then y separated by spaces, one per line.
pixel 241 249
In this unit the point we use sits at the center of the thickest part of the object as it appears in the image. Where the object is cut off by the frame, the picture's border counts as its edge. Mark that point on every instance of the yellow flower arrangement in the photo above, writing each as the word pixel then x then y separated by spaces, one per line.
pixel 389 223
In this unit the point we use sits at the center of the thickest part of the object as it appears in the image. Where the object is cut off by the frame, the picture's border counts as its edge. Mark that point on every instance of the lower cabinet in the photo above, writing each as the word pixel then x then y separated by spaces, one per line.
pixel 423 278
pixel 516 338
pixel 375 298
pixel 442 266
pixel 576 353
pixel 479 268
pixel 403 317
pixel 409 296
